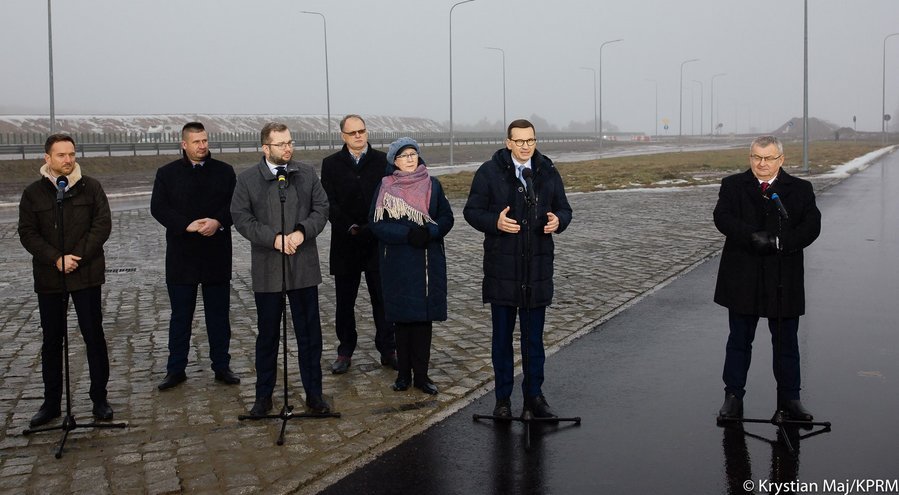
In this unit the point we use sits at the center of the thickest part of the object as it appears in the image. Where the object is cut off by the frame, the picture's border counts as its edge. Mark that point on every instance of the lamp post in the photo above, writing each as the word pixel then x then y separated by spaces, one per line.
pixel 595 122
pixel 701 91
pixel 50 51
pixel 805 88
pixel 452 136
pixel 712 103
pixel 504 80
pixel 680 113
pixel 657 106
pixel 600 88
pixel 883 105
pixel 327 82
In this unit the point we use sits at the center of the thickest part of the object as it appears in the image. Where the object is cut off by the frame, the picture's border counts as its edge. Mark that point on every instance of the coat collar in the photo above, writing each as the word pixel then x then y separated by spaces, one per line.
pixel 503 159
pixel 291 168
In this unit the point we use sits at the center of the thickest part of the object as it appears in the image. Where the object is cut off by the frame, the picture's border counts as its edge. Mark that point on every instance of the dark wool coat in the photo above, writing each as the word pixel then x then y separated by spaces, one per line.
pixel 182 194
pixel 87 223
pixel 747 281
pixel 351 189
pixel 413 280
pixel 494 187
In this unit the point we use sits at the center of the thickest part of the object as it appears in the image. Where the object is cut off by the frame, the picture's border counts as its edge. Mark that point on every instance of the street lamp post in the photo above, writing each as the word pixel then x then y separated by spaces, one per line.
pixel 883 105
pixel 701 91
pixel 680 113
pixel 327 82
pixel 504 80
pixel 595 122
pixel 452 136
pixel 657 106
pixel 712 122
pixel 50 51
pixel 805 88
pixel 600 88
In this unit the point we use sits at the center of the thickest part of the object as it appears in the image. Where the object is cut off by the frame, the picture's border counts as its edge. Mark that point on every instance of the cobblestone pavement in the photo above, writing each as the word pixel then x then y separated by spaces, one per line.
pixel 188 439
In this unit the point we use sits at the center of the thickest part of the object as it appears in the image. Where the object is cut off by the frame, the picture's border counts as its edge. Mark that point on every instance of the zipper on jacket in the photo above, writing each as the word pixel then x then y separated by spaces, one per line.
pixel 427 305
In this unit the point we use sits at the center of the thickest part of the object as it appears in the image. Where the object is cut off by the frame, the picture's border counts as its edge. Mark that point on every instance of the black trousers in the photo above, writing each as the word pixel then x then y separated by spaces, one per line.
pixel 216 305
pixel 347 289
pixel 739 354
pixel 53 309
pixel 413 350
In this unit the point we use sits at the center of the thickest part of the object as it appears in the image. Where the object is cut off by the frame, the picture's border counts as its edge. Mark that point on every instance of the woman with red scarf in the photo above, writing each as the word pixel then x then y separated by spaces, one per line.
pixel 410 217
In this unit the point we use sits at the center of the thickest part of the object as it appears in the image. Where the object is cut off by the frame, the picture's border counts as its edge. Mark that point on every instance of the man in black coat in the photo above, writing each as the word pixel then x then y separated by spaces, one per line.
pixel 76 268
pixel 764 245
pixel 192 199
pixel 350 178
pixel 498 206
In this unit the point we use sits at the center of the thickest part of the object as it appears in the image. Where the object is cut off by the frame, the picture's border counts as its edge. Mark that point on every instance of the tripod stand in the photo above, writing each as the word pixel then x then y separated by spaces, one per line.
pixel 68 422
pixel 527 417
pixel 781 418
pixel 286 413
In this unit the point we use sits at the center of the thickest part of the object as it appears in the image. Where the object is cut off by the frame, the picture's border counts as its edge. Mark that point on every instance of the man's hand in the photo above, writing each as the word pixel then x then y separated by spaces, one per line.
pixel 208 226
pixel 506 224
pixel 295 239
pixel 194 226
pixel 552 223
pixel 71 263
pixel 284 241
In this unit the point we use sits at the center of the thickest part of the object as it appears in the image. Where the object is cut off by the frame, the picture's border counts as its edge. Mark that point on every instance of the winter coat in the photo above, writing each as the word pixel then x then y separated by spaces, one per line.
pixel 87 223
pixel 495 187
pixel 747 281
pixel 351 189
pixel 413 280
pixel 182 194
pixel 256 210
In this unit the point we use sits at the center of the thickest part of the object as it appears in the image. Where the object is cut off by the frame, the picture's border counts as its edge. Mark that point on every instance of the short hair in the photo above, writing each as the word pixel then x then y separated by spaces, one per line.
pixel 55 138
pixel 519 124
pixel 269 128
pixel 191 127
pixel 765 141
pixel 348 117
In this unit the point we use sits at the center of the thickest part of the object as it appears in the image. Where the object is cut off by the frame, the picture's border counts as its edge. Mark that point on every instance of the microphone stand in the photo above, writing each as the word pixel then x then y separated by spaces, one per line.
pixel 286 413
pixel 527 417
pixel 781 418
pixel 68 421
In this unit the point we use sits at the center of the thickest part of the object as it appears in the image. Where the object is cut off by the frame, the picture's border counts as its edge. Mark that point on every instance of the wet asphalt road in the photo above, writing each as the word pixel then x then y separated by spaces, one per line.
pixel 647 385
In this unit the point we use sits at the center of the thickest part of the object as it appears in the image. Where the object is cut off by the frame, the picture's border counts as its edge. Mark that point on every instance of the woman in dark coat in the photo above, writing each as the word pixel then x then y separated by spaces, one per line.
pixel 410 216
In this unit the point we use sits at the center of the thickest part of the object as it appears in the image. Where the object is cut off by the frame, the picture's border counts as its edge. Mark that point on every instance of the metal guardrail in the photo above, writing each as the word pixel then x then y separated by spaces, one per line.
pixel 379 140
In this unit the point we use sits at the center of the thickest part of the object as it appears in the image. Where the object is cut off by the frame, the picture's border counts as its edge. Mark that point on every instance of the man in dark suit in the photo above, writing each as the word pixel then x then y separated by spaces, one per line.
pixel 764 246
pixel 191 199
pixel 350 178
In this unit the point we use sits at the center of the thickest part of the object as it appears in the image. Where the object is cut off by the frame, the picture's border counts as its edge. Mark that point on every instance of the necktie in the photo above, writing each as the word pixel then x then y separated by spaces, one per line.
pixel 521 176
pixel 281 171
pixel 764 187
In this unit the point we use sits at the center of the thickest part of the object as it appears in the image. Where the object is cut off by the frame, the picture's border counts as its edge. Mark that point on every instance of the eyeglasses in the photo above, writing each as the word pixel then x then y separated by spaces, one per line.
pixel 283 146
pixel 354 133
pixel 407 156
pixel 766 159
pixel 521 142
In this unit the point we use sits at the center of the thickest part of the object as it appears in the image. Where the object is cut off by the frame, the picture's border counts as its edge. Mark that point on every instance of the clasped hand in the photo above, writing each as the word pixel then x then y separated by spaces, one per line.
pixel 508 225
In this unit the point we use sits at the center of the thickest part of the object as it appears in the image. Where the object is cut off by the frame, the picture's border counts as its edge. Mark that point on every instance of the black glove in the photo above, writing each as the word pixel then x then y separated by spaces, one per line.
pixel 419 237
pixel 763 242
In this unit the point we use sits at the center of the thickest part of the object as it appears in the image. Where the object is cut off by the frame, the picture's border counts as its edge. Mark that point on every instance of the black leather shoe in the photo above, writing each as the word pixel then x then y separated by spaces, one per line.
pixel 389 360
pixel 341 365
pixel 401 385
pixel 503 408
pixel 539 408
pixel 427 387
pixel 102 410
pixel 316 404
pixel 262 406
pixel 172 380
pixel 47 413
pixel 795 411
pixel 227 377
pixel 732 407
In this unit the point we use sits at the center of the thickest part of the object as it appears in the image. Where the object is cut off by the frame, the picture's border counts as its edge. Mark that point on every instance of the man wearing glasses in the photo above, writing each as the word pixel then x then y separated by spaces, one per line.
pixel 518 226
pixel 763 247
pixel 350 178
pixel 256 210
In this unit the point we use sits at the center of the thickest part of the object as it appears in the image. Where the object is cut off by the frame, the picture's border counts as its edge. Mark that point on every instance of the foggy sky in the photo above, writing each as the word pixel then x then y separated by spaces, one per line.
pixel 390 57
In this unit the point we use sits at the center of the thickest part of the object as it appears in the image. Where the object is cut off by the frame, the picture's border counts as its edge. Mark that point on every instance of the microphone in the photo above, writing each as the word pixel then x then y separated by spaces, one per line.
pixel 282 178
pixel 62 182
pixel 529 182
pixel 780 206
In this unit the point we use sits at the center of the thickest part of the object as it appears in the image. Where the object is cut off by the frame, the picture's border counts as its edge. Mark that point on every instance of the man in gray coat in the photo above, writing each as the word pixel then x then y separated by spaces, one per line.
pixel 256 210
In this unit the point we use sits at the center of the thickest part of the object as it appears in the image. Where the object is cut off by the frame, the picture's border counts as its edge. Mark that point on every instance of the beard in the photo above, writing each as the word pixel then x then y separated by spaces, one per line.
pixel 278 160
